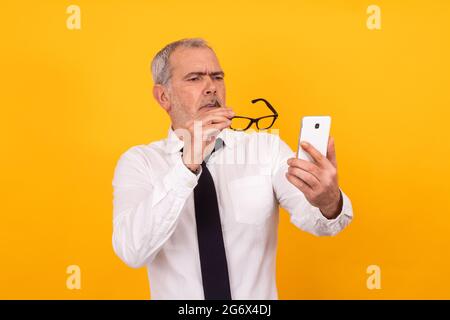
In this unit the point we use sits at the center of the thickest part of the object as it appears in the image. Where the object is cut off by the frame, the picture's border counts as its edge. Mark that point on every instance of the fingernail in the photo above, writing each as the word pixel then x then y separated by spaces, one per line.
pixel 304 144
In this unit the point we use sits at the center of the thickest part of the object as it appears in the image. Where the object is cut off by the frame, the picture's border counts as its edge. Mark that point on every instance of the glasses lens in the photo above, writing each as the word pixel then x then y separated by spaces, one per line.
pixel 240 123
pixel 265 123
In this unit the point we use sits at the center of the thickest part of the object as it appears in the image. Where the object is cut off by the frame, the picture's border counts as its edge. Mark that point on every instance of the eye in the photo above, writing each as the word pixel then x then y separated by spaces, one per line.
pixel 194 79
pixel 218 77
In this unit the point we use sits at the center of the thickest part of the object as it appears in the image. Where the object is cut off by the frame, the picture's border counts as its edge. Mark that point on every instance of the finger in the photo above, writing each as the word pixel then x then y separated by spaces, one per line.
pixel 314 153
pixel 216 126
pixel 216 115
pixel 301 185
pixel 217 111
pixel 213 118
pixel 331 152
pixel 305 176
pixel 305 165
pixel 222 110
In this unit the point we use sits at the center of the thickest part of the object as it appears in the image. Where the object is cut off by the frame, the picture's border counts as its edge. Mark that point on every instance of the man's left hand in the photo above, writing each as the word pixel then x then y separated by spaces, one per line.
pixel 318 180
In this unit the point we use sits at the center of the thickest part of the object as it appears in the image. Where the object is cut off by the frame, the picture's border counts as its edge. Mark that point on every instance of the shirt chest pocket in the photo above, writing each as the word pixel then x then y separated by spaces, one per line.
pixel 252 198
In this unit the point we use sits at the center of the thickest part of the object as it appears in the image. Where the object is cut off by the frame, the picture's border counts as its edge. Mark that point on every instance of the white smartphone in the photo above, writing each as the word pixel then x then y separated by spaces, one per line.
pixel 315 130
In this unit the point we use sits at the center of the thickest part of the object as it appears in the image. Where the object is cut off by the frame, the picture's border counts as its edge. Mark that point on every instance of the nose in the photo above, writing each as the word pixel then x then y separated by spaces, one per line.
pixel 210 87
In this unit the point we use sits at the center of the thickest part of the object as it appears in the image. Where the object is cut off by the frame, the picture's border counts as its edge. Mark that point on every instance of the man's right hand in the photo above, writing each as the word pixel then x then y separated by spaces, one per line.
pixel 202 131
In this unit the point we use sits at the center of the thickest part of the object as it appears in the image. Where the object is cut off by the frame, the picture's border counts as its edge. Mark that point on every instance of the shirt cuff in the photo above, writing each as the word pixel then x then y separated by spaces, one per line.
pixel 181 179
pixel 327 226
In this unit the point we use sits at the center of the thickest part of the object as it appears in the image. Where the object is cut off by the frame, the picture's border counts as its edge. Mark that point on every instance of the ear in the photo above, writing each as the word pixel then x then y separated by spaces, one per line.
pixel 160 94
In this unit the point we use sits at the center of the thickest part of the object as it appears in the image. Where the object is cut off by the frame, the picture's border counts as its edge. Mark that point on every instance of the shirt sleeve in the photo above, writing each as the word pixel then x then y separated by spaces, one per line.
pixel 302 214
pixel 146 206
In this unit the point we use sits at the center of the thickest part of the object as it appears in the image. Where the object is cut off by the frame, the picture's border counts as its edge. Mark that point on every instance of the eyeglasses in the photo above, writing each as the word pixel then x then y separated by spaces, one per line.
pixel 239 123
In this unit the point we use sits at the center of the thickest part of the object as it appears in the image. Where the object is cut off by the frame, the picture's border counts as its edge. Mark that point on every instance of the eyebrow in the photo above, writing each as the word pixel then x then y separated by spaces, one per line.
pixel 215 73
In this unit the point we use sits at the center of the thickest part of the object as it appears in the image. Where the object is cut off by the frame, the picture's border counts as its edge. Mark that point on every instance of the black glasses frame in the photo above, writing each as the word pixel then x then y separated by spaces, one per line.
pixel 256 120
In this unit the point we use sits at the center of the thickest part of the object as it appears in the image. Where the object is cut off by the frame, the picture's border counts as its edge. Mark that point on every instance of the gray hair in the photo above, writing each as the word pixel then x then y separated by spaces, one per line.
pixel 160 64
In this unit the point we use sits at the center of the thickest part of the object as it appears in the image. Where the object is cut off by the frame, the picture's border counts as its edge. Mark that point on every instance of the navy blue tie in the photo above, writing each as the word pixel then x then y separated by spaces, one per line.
pixel 213 261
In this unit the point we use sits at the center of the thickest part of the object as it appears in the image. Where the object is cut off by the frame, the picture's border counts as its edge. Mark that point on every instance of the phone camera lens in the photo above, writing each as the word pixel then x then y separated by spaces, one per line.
pixel 317 126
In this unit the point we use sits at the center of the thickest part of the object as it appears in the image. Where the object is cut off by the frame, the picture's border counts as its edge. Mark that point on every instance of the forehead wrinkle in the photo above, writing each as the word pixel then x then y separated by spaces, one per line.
pixel 203 73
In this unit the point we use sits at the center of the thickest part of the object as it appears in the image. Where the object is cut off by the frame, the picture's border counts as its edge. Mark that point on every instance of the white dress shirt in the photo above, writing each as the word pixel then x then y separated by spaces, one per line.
pixel 154 215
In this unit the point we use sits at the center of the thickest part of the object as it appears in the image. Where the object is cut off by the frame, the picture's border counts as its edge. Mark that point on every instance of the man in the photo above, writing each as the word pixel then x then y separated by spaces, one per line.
pixel 200 208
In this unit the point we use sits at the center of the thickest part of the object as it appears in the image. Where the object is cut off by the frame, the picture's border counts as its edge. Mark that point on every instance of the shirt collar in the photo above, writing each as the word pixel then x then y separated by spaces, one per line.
pixel 174 143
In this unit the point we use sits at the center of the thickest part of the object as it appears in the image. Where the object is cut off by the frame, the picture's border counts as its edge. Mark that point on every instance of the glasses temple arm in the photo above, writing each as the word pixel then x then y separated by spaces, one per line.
pixel 267 104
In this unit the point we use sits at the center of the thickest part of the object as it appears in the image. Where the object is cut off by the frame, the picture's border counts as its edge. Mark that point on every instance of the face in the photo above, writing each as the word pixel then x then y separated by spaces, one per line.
pixel 197 82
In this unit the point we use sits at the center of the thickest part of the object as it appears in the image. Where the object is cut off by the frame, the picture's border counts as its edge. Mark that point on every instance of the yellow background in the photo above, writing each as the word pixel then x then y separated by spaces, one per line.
pixel 72 101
